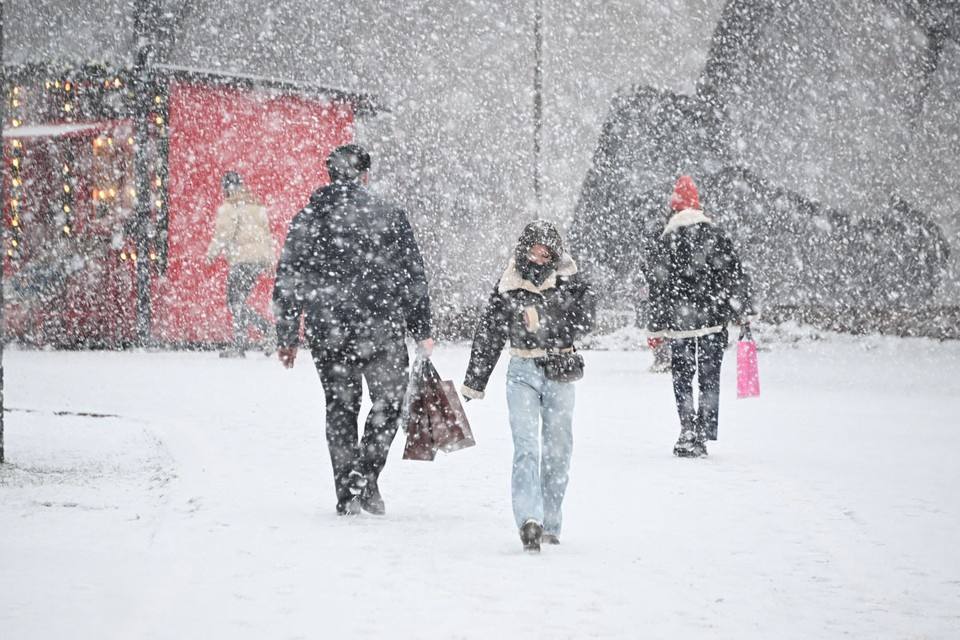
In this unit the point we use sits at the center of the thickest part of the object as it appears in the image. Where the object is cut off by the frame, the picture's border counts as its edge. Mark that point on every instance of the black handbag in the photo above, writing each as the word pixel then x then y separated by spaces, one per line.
pixel 561 366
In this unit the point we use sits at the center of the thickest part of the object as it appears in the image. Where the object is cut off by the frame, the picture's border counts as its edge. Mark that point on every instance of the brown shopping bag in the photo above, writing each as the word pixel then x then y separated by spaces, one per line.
pixel 420 444
pixel 448 421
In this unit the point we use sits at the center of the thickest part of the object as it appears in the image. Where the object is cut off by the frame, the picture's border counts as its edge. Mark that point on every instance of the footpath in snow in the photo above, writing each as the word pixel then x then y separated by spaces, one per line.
pixel 178 495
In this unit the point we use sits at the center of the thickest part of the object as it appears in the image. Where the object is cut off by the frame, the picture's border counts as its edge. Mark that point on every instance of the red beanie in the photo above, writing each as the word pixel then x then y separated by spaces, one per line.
pixel 685 195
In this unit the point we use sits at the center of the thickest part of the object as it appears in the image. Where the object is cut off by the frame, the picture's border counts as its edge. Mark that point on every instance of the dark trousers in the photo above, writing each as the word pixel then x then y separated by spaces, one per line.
pixel 240 281
pixel 699 356
pixel 385 369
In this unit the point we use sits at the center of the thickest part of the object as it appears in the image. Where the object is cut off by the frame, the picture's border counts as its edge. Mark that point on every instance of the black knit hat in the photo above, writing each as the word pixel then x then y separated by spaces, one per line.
pixel 231 180
pixel 347 163
pixel 541 232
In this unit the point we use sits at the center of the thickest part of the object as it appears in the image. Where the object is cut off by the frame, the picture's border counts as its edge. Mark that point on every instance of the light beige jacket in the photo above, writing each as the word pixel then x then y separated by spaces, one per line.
pixel 242 232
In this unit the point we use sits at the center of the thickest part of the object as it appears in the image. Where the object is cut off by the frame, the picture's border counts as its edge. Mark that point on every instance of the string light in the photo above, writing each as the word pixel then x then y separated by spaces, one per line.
pixel 71 108
pixel 16 182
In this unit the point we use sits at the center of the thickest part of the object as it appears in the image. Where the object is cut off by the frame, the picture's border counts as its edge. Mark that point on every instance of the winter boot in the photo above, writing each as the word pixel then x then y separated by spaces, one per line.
pixel 549 538
pixel 700 446
pixel 348 493
pixel 371 500
pixel 530 534
pixel 690 444
pixel 356 482
pixel 349 507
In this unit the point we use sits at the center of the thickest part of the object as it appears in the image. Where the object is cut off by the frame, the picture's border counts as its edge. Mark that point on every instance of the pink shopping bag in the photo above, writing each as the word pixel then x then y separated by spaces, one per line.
pixel 748 374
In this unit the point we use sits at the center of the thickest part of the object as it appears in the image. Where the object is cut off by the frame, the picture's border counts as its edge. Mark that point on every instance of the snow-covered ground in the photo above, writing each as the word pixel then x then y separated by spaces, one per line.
pixel 198 504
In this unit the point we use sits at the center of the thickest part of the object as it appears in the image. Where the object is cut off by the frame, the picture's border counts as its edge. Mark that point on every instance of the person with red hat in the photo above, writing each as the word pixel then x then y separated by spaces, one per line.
pixel 697 287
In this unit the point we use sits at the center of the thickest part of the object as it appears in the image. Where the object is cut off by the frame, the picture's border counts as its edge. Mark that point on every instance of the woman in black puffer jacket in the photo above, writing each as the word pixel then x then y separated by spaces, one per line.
pixel 542 306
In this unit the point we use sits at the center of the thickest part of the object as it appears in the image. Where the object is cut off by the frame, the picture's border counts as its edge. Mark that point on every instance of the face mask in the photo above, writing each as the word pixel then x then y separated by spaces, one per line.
pixel 535 273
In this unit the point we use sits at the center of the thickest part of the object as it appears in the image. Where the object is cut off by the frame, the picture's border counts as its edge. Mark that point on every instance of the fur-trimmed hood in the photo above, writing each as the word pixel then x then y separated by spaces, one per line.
pixel 511 278
pixel 685 218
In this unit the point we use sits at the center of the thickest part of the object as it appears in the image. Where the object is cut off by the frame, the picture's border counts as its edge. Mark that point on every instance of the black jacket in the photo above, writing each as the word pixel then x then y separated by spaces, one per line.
pixel 697 285
pixel 564 307
pixel 351 266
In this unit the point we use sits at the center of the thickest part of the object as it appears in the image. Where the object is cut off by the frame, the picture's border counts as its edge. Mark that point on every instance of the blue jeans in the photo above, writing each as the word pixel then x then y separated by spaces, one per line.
pixel 540 472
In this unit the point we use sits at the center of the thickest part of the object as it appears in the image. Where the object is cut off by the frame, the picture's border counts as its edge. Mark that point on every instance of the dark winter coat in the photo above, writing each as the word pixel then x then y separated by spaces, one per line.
pixel 351 266
pixel 697 284
pixel 562 309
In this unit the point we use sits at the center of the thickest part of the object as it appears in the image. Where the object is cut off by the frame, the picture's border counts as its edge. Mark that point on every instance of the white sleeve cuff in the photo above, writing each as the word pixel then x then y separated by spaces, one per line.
pixel 473 394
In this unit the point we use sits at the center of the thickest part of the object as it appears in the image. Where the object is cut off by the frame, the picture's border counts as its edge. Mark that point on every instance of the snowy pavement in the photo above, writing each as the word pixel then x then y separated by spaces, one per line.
pixel 197 503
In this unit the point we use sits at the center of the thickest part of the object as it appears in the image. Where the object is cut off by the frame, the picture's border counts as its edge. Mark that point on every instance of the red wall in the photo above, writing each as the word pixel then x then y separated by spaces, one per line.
pixel 278 145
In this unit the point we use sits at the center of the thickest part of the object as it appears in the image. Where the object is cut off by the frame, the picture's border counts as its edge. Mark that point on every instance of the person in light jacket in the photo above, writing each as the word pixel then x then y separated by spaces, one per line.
pixel 242 236
pixel 541 305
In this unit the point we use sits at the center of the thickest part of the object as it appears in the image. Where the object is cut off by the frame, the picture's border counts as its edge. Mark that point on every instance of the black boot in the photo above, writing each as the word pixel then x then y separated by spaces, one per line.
pixel 549 538
pixel 371 500
pixel 690 444
pixel 349 507
pixel 530 534
pixel 700 446
pixel 349 494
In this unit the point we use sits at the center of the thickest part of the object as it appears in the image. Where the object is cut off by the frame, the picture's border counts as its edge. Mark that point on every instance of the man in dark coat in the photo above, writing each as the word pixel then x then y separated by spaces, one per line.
pixel 697 287
pixel 352 269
